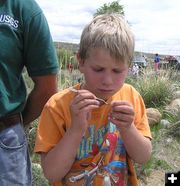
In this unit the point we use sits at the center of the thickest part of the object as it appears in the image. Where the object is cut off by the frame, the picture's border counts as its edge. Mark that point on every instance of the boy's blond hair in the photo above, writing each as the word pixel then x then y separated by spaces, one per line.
pixel 111 32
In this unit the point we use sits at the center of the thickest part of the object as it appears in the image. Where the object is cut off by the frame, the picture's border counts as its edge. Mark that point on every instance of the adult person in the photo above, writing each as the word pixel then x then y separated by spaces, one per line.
pixel 156 62
pixel 25 41
pixel 83 141
pixel 135 70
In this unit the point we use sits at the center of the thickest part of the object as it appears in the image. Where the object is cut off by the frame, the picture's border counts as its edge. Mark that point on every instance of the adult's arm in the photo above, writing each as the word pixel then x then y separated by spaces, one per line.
pixel 44 88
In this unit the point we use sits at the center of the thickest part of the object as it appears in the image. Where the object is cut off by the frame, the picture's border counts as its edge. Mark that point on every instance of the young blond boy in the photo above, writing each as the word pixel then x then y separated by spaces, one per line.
pixel 83 141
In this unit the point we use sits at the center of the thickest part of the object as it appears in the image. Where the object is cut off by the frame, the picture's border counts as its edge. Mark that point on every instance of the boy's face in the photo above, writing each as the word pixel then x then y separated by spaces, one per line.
pixel 103 74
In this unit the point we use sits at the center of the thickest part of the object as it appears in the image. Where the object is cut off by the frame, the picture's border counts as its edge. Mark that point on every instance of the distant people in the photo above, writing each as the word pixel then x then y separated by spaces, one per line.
pixel 70 67
pixel 135 70
pixel 156 62
pixel 145 59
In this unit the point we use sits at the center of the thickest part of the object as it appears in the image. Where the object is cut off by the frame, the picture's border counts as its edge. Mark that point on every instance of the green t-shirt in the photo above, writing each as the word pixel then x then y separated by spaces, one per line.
pixel 25 41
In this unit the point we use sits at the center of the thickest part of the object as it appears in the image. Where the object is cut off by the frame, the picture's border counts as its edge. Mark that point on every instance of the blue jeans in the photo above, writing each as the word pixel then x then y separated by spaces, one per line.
pixel 15 165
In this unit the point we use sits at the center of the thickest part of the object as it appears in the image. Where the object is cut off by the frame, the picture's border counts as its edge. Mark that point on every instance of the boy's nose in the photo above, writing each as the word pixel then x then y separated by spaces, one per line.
pixel 107 80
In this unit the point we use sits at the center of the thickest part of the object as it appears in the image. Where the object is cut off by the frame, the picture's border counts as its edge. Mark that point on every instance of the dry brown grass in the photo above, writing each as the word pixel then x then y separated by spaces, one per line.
pixel 166 150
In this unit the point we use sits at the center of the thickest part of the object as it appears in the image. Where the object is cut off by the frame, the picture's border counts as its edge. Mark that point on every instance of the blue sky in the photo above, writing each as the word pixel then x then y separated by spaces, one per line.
pixel 156 24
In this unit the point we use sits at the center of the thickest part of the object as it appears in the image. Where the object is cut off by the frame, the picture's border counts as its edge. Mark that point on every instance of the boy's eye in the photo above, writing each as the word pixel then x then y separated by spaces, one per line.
pixel 98 69
pixel 117 71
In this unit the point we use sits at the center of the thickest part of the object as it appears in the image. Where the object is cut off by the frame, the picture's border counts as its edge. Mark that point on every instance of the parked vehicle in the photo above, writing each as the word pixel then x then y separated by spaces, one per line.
pixel 140 61
pixel 174 62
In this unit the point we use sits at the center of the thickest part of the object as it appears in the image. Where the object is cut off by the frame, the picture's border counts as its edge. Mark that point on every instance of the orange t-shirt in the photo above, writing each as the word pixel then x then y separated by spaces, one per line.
pixel 56 118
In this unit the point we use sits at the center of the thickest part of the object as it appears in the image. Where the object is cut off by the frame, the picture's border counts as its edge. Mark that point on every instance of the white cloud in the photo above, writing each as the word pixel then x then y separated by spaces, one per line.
pixel 156 24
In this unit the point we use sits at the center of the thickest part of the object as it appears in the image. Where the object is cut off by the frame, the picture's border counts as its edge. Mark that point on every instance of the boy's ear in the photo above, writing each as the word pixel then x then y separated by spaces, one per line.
pixel 80 62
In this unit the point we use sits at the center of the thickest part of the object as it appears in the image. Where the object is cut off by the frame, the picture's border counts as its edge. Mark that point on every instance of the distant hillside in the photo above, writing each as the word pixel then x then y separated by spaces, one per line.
pixel 68 46
pixel 74 47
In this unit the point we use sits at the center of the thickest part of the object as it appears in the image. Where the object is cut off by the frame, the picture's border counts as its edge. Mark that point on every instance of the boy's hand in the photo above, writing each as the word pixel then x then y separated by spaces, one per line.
pixel 122 114
pixel 81 107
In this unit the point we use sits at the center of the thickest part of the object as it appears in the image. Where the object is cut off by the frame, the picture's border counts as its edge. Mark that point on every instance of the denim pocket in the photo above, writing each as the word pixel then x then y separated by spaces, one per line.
pixel 13 137
pixel 15 165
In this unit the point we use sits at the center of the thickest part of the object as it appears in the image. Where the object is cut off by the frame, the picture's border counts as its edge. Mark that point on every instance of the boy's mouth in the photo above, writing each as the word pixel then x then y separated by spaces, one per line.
pixel 106 91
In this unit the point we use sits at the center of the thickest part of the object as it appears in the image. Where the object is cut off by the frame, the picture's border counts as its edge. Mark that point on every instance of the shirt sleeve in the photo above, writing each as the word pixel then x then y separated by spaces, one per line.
pixel 39 51
pixel 54 121
pixel 141 120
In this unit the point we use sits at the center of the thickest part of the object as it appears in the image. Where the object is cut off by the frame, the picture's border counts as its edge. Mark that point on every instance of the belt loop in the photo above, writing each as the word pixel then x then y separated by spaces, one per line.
pixel 21 118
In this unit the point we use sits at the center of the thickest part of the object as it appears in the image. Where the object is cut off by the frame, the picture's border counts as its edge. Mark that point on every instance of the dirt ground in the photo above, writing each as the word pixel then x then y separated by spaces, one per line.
pixel 168 150
pixel 156 178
